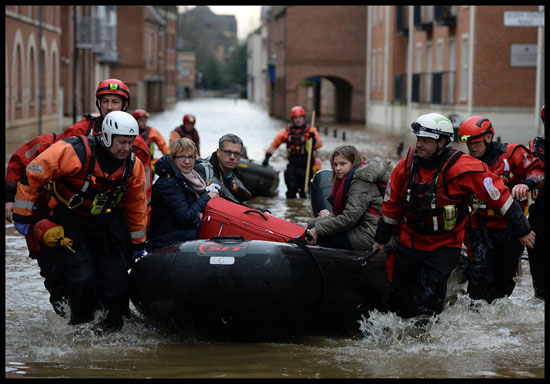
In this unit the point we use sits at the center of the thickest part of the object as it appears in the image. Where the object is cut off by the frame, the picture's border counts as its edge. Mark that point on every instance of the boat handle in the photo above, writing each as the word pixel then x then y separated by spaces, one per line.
pixel 258 212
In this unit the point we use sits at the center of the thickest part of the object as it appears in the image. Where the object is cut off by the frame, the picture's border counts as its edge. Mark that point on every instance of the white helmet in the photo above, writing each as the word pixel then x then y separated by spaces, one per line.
pixel 118 123
pixel 433 125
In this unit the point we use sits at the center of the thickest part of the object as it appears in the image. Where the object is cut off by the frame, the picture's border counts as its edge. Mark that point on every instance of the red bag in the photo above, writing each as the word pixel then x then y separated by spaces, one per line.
pixel 225 218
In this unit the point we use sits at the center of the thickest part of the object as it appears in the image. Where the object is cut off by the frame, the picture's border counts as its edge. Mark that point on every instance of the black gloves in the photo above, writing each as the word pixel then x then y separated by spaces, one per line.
pixel 266 160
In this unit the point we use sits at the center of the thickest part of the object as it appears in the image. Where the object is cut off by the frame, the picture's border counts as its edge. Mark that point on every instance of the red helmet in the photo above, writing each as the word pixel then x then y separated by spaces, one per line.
pixel 113 87
pixel 140 113
pixel 542 113
pixel 297 111
pixel 474 129
pixel 189 118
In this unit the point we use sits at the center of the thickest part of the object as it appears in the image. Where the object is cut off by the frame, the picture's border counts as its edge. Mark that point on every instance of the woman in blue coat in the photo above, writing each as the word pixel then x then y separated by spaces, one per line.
pixel 179 197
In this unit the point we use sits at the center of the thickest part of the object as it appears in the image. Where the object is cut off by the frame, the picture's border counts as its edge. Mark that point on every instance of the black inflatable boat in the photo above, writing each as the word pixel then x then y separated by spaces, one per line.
pixel 259 180
pixel 234 287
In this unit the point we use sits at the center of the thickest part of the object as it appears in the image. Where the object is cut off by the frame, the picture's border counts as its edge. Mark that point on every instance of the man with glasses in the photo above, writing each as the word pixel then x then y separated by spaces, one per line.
pixel 426 201
pixel 221 169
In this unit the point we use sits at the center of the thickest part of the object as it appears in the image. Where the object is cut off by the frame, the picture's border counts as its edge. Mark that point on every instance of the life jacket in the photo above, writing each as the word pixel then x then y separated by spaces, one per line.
pixel 193 135
pixel 145 135
pixel 296 139
pixel 498 162
pixel 428 208
pixel 89 192
pixel 536 147
pixel 95 123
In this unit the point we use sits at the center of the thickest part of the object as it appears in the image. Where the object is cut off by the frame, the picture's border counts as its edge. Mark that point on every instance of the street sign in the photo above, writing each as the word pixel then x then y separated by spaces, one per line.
pixel 523 19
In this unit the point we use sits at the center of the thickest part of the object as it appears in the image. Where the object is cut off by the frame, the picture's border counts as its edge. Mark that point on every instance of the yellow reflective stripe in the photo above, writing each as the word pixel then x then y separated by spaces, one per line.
pixel 22 204
pixel 137 234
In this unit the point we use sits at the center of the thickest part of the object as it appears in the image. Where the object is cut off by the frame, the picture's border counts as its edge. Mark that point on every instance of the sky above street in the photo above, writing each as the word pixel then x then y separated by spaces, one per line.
pixel 248 16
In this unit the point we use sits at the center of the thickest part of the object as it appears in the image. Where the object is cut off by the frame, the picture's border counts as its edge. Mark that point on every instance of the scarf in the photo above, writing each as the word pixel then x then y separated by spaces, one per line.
pixel 195 180
pixel 340 189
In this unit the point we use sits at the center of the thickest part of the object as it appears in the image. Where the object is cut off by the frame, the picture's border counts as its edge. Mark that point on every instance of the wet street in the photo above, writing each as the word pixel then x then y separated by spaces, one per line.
pixel 501 340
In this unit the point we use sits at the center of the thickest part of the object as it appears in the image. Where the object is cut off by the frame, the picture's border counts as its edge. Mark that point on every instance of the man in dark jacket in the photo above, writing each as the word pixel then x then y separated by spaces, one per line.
pixel 221 169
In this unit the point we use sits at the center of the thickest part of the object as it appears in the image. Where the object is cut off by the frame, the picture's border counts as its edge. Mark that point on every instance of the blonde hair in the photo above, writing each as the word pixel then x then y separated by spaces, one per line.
pixel 350 153
pixel 182 144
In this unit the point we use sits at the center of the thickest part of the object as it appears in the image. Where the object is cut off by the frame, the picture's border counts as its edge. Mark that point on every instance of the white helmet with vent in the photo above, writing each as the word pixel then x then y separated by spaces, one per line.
pixel 118 123
pixel 433 125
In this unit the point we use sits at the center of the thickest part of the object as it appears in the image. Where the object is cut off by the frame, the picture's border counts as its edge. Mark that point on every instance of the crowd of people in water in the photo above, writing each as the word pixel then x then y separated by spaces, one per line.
pixel 94 200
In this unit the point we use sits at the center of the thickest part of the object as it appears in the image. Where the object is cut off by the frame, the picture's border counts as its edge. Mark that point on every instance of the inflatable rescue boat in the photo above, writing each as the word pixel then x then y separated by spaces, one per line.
pixel 228 286
pixel 259 180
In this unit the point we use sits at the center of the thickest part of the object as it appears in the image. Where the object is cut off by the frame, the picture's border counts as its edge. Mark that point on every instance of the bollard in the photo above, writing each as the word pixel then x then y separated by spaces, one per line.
pixel 326 131
pixel 344 136
pixel 400 148
pixel 335 132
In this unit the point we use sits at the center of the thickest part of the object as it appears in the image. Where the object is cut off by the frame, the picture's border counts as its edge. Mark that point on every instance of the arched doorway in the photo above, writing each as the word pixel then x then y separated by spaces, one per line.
pixel 329 96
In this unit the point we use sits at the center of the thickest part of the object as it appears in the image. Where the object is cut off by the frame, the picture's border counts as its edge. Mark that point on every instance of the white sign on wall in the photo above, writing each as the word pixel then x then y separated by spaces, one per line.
pixel 523 55
pixel 523 19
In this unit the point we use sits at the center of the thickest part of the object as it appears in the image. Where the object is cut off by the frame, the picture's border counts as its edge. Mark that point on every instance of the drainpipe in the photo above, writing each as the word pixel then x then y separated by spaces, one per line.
pixel 471 59
pixel 75 58
pixel 40 72
pixel 386 63
pixel 369 63
pixel 409 63
pixel 538 126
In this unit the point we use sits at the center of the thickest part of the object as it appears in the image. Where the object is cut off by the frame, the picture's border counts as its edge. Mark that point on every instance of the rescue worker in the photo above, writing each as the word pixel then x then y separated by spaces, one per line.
pixel 494 253
pixel 150 134
pixel 295 135
pixel 427 200
pixel 187 129
pixel 221 169
pixel 111 95
pixel 99 198
pixel 536 219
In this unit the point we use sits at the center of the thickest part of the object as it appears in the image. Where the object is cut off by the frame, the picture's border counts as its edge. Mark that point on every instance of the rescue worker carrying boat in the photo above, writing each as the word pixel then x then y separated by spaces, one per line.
pixel 493 251
pixel 99 198
pixel 295 135
pixel 427 198
pixel 111 95
pixel 187 129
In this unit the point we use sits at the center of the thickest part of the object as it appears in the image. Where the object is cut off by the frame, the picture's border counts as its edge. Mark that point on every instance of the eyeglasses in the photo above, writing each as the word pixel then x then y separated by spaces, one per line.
pixel 183 157
pixel 229 153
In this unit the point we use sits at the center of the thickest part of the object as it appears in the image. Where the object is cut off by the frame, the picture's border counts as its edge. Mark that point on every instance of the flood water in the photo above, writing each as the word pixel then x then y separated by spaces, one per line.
pixel 501 340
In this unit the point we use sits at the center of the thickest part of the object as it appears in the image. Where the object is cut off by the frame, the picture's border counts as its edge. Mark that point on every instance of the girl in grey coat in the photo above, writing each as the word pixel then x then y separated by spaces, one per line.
pixel 356 200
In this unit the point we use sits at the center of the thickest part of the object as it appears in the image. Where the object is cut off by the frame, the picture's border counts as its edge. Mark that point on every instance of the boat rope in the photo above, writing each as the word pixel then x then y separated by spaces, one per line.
pixel 302 244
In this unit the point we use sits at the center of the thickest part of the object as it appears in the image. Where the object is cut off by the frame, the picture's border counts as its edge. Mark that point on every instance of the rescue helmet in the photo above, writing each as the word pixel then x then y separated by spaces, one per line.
pixel 140 113
pixel 113 87
pixel 118 123
pixel 433 125
pixel 189 118
pixel 474 129
pixel 542 114
pixel 297 111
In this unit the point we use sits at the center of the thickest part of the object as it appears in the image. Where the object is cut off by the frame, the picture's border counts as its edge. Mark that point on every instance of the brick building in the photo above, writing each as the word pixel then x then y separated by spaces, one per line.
pixel 33 44
pixel 315 51
pixel 146 42
pixel 461 62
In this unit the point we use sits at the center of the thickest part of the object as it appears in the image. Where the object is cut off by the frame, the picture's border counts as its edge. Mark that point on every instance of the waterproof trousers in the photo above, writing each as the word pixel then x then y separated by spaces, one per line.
pixel 295 177
pixel 419 280
pixel 97 274
pixel 538 252
pixel 495 254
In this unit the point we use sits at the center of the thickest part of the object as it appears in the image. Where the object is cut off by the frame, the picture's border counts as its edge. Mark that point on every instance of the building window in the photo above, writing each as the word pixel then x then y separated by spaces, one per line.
pixel 18 75
pixel 464 59
pixel 451 88
pixel 418 58
pixel 439 55
pixel 32 75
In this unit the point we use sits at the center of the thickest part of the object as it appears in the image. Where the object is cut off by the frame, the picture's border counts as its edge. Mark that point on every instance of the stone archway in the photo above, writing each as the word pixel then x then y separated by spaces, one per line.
pixel 329 96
